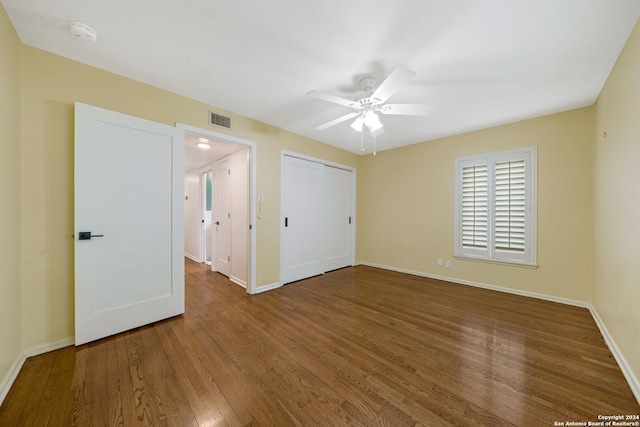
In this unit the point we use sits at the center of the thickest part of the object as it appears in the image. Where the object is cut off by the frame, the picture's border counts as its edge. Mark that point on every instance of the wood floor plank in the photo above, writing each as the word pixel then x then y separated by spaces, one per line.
pixel 358 346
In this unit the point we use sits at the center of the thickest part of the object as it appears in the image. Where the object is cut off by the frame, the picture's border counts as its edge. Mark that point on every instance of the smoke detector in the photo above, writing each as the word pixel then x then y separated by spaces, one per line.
pixel 83 31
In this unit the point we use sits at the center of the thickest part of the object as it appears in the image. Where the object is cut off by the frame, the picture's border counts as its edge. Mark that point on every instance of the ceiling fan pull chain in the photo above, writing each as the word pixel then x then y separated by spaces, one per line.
pixel 362 141
pixel 374 145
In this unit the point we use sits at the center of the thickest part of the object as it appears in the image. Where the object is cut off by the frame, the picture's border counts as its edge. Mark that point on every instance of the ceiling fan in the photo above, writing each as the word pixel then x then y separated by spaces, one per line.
pixel 372 101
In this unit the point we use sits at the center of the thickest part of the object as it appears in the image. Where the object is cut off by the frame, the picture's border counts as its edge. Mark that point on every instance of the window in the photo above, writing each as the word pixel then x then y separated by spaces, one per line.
pixel 495 206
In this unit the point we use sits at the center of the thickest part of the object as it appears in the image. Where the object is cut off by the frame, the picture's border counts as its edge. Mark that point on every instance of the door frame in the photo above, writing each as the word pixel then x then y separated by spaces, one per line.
pixel 201 256
pixel 288 153
pixel 203 210
pixel 251 145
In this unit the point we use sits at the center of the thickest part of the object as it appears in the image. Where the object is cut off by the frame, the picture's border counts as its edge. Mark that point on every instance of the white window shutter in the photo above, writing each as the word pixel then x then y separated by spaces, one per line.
pixel 510 206
pixel 475 202
pixel 495 206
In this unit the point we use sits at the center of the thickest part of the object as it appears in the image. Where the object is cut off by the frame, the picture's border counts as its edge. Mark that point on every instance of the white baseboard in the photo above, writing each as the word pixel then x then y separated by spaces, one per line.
pixel 269 287
pixel 238 281
pixel 192 258
pixel 632 380
pixel 11 376
pixel 15 368
pixel 552 298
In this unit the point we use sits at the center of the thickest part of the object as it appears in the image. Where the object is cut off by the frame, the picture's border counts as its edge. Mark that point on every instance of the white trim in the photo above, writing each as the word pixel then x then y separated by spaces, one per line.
pixel 11 376
pixel 316 160
pixel 238 281
pixel 15 368
pixel 192 258
pixel 551 298
pixel 269 287
pixel 253 161
pixel 628 373
pixel 632 380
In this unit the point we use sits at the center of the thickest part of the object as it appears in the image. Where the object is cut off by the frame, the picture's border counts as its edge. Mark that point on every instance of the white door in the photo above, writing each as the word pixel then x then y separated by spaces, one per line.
pixel 193 217
pixel 302 214
pixel 129 187
pixel 223 217
pixel 338 218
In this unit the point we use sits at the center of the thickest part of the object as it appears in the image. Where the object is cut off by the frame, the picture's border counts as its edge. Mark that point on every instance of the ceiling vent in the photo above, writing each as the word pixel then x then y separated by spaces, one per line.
pixel 219 120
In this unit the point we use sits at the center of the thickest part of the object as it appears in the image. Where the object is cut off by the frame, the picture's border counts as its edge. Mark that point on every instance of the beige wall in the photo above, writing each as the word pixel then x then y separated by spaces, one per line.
pixel 616 294
pixel 51 85
pixel 10 109
pixel 406 205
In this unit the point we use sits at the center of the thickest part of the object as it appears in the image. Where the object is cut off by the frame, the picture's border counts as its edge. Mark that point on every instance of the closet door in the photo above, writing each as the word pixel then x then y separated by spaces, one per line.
pixel 302 219
pixel 338 218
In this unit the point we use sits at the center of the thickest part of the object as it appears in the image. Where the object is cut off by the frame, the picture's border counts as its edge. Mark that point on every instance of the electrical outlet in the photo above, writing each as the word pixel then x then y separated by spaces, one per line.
pixel 448 264
pixel 440 262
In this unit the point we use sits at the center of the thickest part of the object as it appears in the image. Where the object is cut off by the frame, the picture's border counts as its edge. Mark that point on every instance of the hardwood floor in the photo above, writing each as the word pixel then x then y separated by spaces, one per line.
pixel 358 346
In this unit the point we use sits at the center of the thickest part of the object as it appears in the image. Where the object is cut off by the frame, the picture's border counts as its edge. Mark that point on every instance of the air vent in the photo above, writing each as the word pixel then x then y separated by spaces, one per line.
pixel 216 119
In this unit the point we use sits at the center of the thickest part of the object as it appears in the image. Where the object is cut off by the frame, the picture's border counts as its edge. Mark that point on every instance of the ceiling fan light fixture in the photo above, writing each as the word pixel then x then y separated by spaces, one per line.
pixel 357 124
pixel 372 121
pixel 204 145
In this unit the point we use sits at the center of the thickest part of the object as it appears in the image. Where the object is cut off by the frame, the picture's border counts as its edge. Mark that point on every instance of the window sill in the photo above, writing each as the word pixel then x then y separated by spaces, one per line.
pixel 494 261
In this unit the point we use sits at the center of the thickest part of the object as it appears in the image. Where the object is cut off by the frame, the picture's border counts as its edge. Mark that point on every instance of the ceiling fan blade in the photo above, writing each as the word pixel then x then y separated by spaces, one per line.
pixel 337 121
pixel 398 77
pixel 408 109
pixel 332 98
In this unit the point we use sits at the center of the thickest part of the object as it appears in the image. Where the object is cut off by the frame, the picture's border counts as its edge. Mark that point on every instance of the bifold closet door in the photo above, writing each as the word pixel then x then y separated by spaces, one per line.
pixel 301 228
pixel 338 221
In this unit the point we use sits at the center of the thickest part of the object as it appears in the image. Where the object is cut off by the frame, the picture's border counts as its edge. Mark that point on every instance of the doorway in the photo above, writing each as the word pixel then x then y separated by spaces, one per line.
pixel 220 225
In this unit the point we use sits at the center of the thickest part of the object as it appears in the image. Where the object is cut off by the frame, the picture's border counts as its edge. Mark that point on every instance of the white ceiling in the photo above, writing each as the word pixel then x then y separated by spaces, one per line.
pixel 196 157
pixel 481 63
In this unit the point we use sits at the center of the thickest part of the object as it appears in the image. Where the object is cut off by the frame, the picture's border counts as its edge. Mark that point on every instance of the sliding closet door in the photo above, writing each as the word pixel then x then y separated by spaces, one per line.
pixel 302 217
pixel 338 220
pixel 317 218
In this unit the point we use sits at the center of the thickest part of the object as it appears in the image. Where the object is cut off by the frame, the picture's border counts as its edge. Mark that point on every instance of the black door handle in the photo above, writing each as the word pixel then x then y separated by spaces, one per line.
pixel 86 235
pixel 217 222
pixel 286 221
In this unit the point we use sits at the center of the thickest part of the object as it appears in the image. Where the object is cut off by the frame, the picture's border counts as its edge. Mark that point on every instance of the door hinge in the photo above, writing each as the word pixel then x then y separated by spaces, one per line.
pixel 229 215
pixel 250 227
pixel 229 171
pixel 349 220
pixel 228 258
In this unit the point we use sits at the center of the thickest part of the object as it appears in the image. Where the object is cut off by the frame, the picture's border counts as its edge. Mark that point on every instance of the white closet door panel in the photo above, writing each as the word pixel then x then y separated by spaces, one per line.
pixel 338 211
pixel 301 237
